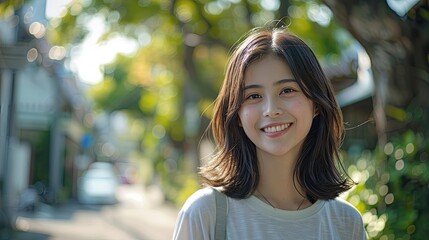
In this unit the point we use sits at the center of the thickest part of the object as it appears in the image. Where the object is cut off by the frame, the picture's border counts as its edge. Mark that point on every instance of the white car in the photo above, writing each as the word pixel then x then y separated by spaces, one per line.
pixel 99 184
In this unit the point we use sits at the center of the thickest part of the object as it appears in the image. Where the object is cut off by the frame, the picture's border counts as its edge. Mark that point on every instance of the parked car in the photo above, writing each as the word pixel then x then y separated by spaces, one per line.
pixel 99 184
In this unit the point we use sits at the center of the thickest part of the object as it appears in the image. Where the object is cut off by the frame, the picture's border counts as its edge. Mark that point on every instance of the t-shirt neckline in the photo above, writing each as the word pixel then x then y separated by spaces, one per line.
pixel 265 209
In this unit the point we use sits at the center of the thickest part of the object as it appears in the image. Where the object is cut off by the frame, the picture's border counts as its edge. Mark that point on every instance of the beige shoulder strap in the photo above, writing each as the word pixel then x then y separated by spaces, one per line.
pixel 221 209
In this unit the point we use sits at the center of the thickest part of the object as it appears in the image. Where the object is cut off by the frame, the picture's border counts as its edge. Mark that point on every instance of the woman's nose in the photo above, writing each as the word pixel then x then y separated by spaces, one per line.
pixel 272 108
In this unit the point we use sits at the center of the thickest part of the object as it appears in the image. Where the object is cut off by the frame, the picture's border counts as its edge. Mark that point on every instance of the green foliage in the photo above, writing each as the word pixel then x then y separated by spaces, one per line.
pixel 393 192
pixel 177 182
pixel 408 165
pixel 7 7
pixel 116 92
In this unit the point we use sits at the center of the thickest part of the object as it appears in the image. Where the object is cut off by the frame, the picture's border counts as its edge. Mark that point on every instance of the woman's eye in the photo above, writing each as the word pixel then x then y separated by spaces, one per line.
pixel 288 90
pixel 253 96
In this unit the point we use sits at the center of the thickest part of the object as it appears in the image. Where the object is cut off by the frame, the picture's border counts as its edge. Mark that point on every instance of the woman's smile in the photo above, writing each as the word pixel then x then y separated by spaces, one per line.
pixel 277 128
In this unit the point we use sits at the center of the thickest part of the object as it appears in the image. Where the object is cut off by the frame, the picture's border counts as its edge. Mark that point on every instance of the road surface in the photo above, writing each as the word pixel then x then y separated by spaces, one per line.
pixel 139 215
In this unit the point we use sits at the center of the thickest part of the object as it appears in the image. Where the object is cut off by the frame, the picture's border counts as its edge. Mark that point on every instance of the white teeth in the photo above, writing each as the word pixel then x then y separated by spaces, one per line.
pixel 276 128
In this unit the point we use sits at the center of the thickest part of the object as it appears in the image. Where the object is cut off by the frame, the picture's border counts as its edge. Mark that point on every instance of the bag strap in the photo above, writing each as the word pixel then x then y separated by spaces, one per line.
pixel 221 211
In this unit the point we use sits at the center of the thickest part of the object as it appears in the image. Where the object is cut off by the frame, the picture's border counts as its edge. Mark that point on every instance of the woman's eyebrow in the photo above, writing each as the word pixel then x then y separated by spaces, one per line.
pixel 252 86
pixel 279 82
pixel 283 81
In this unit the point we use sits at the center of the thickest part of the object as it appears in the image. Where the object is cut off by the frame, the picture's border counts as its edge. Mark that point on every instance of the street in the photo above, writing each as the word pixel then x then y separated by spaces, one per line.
pixel 140 214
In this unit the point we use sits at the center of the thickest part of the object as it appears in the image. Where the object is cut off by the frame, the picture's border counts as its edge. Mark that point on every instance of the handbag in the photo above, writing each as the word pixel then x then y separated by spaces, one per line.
pixel 221 212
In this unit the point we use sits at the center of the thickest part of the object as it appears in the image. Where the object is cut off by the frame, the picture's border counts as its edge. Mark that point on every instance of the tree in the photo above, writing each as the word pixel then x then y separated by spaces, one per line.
pixel 398 47
pixel 393 191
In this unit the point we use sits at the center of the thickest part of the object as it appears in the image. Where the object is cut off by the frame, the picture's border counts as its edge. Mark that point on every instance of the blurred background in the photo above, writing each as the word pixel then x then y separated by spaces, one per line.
pixel 105 106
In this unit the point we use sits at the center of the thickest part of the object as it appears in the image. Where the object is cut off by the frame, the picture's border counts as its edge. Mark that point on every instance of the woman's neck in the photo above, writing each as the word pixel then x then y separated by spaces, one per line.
pixel 277 185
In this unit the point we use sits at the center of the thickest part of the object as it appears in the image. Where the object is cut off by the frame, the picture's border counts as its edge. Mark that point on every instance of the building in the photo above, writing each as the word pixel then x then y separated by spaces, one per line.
pixel 44 114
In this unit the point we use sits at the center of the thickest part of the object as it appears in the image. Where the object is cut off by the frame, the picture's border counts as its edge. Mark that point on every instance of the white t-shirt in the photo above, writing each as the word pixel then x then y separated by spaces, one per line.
pixel 251 218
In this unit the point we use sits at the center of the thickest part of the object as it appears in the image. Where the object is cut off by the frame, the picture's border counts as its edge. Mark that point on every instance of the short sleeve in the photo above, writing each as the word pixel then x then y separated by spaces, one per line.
pixel 197 218
pixel 352 220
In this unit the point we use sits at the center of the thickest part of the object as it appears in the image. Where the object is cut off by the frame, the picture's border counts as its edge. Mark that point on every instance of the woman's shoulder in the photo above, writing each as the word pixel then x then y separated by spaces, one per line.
pixel 196 219
pixel 341 207
pixel 347 217
pixel 202 200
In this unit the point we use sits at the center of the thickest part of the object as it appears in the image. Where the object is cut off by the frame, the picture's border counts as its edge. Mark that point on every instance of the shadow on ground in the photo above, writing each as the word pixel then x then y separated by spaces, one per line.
pixel 20 235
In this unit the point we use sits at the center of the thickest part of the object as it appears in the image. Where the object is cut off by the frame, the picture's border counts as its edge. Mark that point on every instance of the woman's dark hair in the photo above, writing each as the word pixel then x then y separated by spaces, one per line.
pixel 235 166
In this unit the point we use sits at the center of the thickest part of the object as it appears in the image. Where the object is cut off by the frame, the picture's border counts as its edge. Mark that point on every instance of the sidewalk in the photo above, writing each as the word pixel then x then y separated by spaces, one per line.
pixel 140 214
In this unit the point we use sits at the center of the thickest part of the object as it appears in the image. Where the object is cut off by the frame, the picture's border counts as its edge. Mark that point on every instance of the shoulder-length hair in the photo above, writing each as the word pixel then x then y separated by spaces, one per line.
pixel 235 166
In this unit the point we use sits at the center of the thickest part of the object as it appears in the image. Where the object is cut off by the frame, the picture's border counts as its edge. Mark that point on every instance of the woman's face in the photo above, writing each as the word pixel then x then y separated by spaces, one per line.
pixel 275 113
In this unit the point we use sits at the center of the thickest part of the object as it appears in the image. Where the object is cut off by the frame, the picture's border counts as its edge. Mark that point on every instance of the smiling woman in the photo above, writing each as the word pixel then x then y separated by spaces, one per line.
pixel 278 130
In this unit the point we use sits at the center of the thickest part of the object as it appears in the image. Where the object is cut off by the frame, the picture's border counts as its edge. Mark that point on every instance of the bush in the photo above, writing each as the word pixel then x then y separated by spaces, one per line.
pixel 393 188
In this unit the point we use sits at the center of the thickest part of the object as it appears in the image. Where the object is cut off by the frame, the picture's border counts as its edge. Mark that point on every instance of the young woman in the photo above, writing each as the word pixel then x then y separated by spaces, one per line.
pixel 278 129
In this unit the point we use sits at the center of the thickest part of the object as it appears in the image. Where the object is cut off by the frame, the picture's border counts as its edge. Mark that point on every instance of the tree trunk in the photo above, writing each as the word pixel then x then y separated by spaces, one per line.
pixel 398 51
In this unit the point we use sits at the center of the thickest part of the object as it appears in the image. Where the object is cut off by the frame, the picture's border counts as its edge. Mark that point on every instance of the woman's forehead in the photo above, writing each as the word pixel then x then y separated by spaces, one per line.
pixel 269 68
